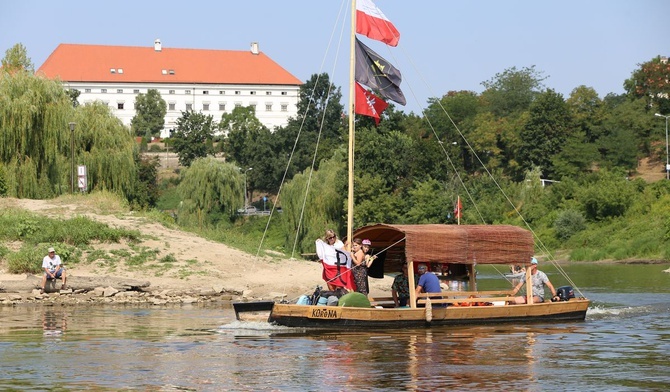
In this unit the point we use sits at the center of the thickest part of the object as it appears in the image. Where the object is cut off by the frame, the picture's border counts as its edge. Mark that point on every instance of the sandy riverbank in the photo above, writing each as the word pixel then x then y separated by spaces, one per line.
pixel 199 265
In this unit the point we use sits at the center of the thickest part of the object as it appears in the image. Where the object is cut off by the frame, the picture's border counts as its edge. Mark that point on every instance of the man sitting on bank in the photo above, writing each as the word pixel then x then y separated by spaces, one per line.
pixel 53 269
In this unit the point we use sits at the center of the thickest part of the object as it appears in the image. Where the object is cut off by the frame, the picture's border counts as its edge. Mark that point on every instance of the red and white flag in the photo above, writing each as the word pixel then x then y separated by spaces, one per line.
pixel 368 104
pixel 371 22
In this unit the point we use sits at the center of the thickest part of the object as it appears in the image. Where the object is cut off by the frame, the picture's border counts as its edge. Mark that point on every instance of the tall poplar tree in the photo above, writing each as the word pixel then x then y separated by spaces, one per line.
pixel 150 111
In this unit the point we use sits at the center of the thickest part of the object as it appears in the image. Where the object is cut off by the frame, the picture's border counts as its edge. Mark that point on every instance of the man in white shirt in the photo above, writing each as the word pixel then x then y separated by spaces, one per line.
pixel 53 269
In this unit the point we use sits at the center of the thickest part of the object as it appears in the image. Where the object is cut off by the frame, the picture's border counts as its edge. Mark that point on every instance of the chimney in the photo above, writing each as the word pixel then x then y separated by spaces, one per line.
pixel 254 48
pixel 157 45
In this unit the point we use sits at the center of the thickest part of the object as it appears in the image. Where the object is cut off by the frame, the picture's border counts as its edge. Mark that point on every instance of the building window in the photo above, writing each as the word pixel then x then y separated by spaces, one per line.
pixel 268 93
pixel 205 92
pixel 284 107
pixel 171 71
pixel 222 107
pixel 205 107
pixel 238 104
pixel 171 106
pixel 222 92
pixel 189 107
pixel 253 106
pixel 171 92
pixel 187 92
pixel 238 92
pixel 87 90
pixel 112 70
pixel 103 90
pixel 119 91
pixel 268 107
pixel 136 91
pixel 119 105
pixel 284 93
pixel 252 92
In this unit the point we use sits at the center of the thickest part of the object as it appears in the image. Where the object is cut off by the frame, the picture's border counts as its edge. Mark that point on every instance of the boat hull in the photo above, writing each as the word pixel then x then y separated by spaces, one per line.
pixel 327 317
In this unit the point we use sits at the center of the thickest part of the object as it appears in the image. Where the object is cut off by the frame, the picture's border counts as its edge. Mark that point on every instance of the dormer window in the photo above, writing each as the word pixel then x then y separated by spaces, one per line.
pixel 120 70
pixel 171 72
pixel 164 72
pixel 112 70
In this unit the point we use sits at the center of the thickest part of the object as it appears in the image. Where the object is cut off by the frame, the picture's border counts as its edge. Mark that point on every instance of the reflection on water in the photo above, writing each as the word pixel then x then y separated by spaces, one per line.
pixel 622 346
pixel 54 323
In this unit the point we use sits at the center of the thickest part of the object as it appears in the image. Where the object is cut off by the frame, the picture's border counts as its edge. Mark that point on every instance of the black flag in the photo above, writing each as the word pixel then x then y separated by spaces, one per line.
pixel 378 74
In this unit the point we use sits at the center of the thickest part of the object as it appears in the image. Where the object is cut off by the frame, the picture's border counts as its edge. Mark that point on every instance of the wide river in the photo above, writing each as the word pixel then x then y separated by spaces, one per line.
pixel 623 345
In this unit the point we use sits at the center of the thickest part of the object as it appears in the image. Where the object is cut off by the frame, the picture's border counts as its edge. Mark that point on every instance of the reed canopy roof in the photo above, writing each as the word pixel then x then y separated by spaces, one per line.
pixel 456 244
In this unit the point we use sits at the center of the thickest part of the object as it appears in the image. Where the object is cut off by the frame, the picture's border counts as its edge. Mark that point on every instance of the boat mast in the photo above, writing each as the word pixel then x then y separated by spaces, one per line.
pixel 352 106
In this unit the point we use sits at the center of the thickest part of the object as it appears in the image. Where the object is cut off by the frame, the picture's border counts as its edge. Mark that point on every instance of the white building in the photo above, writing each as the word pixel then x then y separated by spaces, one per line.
pixel 208 81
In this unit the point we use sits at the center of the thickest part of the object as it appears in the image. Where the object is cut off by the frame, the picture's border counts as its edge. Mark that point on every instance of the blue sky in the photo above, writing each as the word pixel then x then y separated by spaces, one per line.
pixel 445 44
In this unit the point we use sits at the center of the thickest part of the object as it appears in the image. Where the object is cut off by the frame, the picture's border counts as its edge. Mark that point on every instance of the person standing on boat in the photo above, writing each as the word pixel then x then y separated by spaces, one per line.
pixel 400 287
pixel 428 281
pixel 538 279
pixel 336 262
pixel 361 261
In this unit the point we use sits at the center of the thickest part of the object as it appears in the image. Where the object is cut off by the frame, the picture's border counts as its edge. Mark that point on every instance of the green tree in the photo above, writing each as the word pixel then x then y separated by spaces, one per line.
pixel 103 144
pixel 74 96
pixel 607 195
pixel 324 203
pixel 193 137
pixel 568 223
pixel 34 135
pixel 249 143
pixel 210 191
pixel 512 90
pixel 577 157
pixel 319 121
pixel 379 154
pixel 587 111
pixel 545 133
pixel 429 202
pixel 150 109
pixel 145 192
pixel 16 59
pixel 456 106
pixel 652 83
pixel 3 181
pixel 375 201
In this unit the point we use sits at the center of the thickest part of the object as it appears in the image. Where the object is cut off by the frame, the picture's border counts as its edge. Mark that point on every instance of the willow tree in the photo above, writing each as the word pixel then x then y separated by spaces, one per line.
pixel 105 146
pixel 210 191
pixel 323 206
pixel 36 140
pixel 34 133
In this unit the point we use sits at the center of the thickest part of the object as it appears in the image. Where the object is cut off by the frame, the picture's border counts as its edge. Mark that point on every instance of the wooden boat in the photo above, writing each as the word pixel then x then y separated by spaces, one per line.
pixel 434 245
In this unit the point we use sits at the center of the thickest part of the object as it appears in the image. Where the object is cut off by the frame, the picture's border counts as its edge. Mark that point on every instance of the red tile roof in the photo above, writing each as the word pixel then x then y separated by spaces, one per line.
pixel 92 63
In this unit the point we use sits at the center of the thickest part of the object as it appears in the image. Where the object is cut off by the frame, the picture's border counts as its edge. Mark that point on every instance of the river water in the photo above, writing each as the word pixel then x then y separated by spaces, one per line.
pixel 623 345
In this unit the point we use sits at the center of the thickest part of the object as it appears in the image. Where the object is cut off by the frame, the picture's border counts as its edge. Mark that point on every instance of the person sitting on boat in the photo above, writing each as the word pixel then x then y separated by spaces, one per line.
pixel 336 262
pixel 428 282
pixel 400 287
pixel 538 279
pixel 517 269
pixel 361 261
